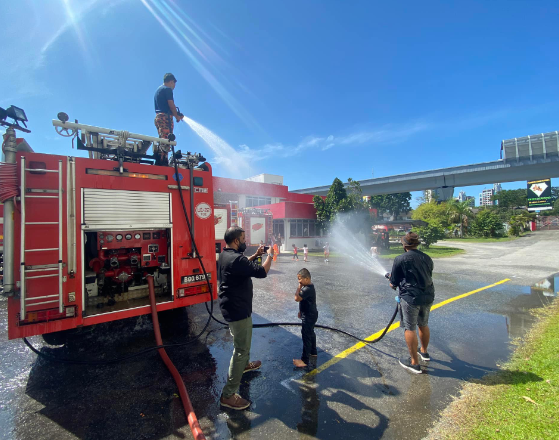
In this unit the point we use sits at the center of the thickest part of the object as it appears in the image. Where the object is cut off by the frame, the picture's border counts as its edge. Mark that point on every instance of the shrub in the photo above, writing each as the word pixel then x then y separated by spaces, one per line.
pixel 486 224
pixel 430 234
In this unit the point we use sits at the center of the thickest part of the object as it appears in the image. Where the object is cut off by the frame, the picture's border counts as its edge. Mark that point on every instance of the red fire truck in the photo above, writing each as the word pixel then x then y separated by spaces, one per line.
pixel 87 230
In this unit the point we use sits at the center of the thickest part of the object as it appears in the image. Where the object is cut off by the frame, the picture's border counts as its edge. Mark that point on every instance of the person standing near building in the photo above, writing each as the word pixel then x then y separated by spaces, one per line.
pixel 326 252
pixel 235 303
pixel 165 109
pixel 295 250
pixel 306 252
pixel 412 274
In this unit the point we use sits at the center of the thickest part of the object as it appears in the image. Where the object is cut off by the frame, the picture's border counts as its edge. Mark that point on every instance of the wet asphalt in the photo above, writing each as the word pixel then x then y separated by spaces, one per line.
pixel 365 395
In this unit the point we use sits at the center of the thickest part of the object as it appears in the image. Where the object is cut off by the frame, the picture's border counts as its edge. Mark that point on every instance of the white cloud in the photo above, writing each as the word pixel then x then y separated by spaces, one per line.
pixel 386 135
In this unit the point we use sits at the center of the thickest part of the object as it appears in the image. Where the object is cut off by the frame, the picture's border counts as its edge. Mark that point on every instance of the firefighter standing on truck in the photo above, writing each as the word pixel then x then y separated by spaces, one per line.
pixel 165 109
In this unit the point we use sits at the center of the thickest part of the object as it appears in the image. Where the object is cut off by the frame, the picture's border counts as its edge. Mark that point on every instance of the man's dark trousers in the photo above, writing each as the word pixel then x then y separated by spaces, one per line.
pixel 309 337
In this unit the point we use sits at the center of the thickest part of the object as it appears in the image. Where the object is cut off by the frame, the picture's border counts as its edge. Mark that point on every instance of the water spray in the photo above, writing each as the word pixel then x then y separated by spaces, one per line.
pixel 224 153
pixel 352 247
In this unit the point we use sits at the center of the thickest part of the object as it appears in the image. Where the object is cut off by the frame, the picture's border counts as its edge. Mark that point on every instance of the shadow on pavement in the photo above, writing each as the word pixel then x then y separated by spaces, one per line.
pixel 136 399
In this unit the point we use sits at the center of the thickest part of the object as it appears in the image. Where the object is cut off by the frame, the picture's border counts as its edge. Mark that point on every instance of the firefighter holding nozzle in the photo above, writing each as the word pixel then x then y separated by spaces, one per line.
pixel 165 109
pixel 412 274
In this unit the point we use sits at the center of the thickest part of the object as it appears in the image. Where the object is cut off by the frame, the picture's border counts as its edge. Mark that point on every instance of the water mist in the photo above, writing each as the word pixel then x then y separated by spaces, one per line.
pixel 224 153
pixel 345 242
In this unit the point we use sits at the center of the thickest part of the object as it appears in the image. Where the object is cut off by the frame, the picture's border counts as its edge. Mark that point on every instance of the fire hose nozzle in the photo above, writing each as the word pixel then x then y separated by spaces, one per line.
pixel 387 275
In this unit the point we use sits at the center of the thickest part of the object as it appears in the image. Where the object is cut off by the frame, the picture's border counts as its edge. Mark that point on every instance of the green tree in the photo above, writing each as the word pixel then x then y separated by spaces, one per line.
pixel 512 198
pixel 323 213
pixel 340 200
pixel 486 223
pixel 555 201
pixel 459 212
pixel 432 212
pixel 395 204
pixel 430 234
pixel 355 196
pixel 519 221
pixel 336 197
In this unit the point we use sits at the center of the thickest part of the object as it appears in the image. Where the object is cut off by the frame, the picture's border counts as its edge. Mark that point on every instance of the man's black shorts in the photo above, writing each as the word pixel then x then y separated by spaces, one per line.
pixel 411 316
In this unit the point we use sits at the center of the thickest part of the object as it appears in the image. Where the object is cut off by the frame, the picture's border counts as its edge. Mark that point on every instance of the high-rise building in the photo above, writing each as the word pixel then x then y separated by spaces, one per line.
pixel 485 197
pixel 462 197
pixel 438 194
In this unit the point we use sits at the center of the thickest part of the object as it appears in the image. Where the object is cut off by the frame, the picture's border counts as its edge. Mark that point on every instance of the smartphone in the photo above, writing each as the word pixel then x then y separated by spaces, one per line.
pixel 266 248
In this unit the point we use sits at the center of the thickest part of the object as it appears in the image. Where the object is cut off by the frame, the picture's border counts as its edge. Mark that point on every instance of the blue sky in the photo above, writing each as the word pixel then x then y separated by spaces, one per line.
pixel 310 90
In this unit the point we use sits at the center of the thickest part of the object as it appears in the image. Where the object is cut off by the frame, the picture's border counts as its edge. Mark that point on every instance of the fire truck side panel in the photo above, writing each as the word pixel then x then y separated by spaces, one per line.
pixel 258 225
pixel 126 226
pixel 41 252
pixel 222 221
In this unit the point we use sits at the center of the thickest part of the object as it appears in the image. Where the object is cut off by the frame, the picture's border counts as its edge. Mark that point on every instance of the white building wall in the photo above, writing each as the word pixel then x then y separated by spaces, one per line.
pixel 267 178
pixel 314 244
pixel 242 201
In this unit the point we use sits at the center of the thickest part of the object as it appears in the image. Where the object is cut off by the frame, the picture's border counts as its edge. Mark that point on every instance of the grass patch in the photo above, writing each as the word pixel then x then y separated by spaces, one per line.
pixel 433 251
pixel 482 240
pixel 396 249
pixel 319 254
pixel 517 402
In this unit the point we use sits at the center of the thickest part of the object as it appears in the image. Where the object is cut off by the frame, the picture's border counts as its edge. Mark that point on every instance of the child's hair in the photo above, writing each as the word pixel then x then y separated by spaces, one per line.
pixel 304 273
pixel 293 245
pixel 305 245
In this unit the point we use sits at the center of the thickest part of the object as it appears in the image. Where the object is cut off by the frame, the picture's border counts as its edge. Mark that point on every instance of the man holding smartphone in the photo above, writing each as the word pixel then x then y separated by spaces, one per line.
pixel 235 301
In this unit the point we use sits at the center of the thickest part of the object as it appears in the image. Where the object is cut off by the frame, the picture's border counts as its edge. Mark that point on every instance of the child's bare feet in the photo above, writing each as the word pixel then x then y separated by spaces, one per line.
pixel 299 363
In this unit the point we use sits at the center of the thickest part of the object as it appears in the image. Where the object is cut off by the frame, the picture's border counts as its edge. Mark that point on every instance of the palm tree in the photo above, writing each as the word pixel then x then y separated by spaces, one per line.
pixel 519 221
pixel 459 212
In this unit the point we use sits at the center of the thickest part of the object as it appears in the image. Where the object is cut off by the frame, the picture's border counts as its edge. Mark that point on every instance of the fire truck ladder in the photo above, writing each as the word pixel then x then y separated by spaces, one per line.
pixel 27 193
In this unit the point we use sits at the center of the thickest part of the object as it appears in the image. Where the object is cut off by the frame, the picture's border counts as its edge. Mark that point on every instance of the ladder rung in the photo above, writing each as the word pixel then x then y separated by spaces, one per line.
pixel 41 170
pixel 41 250
pixel 44 302
pixel 41 197
pixel 42 190
pixel 41 297
pixel 41 223
pixel 41 276
pixel 41 270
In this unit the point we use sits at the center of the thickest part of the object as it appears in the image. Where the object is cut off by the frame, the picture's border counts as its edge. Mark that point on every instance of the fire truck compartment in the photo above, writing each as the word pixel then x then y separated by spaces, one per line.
pixel 116 265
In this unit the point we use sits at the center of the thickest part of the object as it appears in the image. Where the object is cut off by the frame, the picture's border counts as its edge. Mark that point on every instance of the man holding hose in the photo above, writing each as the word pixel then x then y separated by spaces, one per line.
pixel 165 109
pixel 412 273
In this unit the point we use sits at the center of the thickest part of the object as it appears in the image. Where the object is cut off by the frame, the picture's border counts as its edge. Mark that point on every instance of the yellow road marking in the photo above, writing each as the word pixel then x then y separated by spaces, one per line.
pixel 394 326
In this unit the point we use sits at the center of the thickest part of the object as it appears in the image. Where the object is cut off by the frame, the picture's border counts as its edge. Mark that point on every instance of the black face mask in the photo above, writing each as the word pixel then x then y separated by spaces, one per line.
pixel 242 247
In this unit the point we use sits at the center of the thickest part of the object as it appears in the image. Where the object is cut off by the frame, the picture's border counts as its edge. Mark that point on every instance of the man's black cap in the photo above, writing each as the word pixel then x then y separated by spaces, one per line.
pixel 169 77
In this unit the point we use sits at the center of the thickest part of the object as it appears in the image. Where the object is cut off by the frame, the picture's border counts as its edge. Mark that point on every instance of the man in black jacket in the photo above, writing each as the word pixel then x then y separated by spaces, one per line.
pixel 235 302
pixel 412 273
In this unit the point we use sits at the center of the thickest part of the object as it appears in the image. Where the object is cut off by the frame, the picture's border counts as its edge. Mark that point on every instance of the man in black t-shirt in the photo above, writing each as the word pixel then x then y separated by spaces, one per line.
pixel 165 109
pixel 306 297
pixel 235 303
pixel 412 273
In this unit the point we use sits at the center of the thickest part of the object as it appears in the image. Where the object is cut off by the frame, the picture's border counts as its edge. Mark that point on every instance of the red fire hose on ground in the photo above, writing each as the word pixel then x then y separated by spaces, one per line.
pixel 188 410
